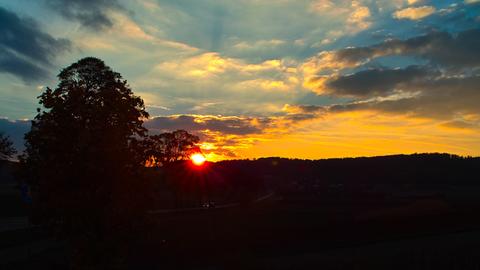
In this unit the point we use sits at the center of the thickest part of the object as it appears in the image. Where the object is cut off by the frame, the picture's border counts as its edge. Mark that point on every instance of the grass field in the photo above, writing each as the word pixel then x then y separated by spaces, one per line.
pixel 281 234
pixel 278 235
pixel 286 236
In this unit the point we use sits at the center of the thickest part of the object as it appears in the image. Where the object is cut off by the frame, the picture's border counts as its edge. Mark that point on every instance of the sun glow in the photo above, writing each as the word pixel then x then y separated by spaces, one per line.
pixel 198 159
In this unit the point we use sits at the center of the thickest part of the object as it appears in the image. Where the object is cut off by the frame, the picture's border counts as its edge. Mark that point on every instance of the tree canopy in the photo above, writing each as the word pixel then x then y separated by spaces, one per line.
pixel 169 147
pixel 85 156
pixel 6 147
pixel 83 150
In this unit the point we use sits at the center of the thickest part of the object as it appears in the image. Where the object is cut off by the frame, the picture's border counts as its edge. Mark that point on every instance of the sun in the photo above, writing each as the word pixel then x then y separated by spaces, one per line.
pixel 198 159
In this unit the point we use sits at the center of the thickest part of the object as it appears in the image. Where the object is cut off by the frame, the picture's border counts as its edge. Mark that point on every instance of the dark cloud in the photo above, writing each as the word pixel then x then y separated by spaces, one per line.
pixel 25 50
pixel 170 123
pixel 441 98
pixel 224 125
pixel 442 48
pixel 11 63
pixel 446 87
pixel 310 108
pixel 460 124
pixel 92 14
pixel 300 112
pixel 377 81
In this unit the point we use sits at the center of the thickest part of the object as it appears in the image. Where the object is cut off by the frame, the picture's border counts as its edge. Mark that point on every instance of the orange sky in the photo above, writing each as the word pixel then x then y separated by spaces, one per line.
pixel 352 135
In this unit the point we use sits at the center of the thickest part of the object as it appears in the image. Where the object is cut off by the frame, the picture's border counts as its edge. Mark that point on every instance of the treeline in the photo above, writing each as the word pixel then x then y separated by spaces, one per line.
pixel 415 169
pixel 245 180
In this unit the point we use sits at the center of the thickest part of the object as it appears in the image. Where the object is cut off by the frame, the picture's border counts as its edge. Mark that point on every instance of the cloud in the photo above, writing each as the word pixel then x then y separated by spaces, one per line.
pixel 233 85
pixel 234 125
pixel 263 44
pixel 440 48
pixel 200 66
pixel 437 97
pixel 233 133
pixel 259 50
pixel 264 84
pixel 318 69
pixel 92 14
pixel 359 18
pixel 412 2
pixel 356 15
pixel 124 25
pixel 130 45
pixel 324 6
pixel 442 98
pixel 414 13
pixel 297 114
pixel 220 136
pixel 27 71
pixel 377 82
pixel 261 30
pixel 461 124
pixel 25 50
pixel 303 109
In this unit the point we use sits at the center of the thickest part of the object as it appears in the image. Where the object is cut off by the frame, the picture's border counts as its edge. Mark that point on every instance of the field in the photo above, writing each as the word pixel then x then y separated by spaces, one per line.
pixel 286 236
pixel 280 235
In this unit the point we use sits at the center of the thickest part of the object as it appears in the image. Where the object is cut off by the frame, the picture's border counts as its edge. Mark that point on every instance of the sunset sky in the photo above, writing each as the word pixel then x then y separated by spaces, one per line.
pixel 257 78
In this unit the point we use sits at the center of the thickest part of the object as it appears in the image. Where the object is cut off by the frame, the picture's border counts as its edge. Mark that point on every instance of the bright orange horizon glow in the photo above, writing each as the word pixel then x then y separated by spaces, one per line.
pixel 348 134
pixel 198 159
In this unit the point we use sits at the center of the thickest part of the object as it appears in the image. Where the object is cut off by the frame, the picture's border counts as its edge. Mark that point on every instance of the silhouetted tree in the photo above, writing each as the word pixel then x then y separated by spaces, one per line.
pixel 6 147
pixel 83 155
pixel 173 146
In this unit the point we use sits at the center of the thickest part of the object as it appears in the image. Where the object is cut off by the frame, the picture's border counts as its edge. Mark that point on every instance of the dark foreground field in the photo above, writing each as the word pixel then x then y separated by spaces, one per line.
pixel 282 235
pixel 410 212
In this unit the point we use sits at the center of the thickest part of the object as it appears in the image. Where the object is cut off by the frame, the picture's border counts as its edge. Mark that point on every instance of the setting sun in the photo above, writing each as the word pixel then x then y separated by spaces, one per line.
pixel 198 159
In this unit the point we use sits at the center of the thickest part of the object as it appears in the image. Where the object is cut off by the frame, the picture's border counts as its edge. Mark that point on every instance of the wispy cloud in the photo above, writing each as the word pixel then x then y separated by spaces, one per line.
pixel 414 13
pixel 92 14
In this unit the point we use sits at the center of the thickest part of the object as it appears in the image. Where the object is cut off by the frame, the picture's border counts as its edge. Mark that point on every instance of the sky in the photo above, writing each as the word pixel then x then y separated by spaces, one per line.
pixel 258 78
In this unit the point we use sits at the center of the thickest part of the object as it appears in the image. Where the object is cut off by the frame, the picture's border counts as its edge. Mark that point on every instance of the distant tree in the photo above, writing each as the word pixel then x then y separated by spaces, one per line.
pixel 170 147
pixel 83 154
pixel 6 147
